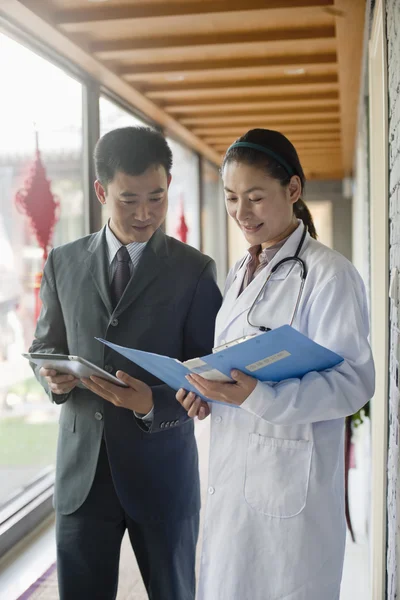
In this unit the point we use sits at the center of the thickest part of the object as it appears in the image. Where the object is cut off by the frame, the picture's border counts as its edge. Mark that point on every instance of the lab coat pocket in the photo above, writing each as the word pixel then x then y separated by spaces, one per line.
pixel 277 475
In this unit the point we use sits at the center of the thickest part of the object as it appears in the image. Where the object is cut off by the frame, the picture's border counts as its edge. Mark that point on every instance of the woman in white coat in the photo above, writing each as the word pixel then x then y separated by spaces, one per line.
pixel 275 519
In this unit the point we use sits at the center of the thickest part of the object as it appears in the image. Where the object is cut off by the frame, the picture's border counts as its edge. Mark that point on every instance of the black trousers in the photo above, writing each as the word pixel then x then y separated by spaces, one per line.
pixel 89 543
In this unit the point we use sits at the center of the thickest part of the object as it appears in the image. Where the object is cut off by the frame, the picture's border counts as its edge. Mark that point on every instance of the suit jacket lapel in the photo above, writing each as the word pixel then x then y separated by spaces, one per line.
pixel 151 264
pixel 98 267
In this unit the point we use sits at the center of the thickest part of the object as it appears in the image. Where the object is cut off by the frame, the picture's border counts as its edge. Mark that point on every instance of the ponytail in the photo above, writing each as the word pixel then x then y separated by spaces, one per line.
pixel 302 212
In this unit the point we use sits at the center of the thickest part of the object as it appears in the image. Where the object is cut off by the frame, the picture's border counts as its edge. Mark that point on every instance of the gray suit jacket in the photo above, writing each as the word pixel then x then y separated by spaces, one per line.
pixel 169 307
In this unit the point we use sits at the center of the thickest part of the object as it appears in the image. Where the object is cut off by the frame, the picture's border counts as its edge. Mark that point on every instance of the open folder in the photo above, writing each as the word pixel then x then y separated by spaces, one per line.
pixel 275 355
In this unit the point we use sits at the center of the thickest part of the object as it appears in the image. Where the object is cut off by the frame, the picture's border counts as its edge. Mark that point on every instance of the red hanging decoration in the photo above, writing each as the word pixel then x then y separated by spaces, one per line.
pixel 42 209
pixel 182 229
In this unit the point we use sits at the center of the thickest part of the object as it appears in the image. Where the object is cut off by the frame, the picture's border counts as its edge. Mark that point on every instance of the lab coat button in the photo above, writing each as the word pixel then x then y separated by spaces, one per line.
pixel 108 368
pixel 211 490
pixel 114 322
pixel 218 419
pixel 98 416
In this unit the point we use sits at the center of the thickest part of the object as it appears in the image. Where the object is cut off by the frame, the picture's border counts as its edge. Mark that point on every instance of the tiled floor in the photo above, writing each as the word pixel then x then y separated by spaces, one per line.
pixel 23 567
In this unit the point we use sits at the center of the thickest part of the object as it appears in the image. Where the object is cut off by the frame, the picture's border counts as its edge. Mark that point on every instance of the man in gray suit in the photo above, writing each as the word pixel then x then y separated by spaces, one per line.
pixel 127 457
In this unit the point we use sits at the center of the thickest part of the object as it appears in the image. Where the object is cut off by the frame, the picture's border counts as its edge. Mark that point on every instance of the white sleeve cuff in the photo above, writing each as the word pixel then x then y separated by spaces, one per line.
pixel 260 399
pixel 146 418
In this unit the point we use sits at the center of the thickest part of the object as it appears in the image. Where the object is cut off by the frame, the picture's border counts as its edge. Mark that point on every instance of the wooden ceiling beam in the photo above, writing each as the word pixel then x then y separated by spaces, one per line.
pixel 272 120
pixel 299 142
pixel 312 136
pixel 322 154
pixel 179 86
pixel 69 18
pixel 284 127
pixel 349 33
pixel 323 91
pixel 333 136
pixel 275 107
pixel 111 49
pixel 294 61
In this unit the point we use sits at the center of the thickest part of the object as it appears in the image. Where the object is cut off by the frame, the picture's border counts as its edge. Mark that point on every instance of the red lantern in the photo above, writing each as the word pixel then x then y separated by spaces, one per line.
pixel 42 209
pixel 182 229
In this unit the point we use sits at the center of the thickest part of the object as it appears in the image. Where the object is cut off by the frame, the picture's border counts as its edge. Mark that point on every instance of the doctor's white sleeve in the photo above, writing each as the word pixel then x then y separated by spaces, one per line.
pixel 337 319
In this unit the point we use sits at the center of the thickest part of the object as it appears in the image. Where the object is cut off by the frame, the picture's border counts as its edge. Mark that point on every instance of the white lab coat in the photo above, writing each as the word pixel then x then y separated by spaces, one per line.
pixel 275 520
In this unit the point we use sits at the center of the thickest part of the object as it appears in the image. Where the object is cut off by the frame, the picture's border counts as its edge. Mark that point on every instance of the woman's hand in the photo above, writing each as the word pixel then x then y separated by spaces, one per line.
pixel 230 393
pixel 195 406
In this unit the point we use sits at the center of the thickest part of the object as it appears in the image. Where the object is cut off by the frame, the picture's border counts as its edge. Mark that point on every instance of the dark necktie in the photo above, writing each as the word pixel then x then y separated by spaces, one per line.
pixel 122 275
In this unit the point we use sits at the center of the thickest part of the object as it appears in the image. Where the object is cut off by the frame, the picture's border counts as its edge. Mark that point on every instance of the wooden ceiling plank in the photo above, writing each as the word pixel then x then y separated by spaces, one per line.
pixel 245 120
pixel 249 94
pixel 68 18
pixel 322 154
pixel 183 67
pixel 239 83
pixel 248 74
pixel 312 136
pixel 113 48
pixel 258 104
pixel 289 127
pixel 332 136
pixel 225 52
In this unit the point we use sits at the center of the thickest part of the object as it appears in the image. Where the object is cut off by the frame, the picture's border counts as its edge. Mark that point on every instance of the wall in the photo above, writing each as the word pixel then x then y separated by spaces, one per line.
pixel 331 191
pixel 361 201
pixel 393 56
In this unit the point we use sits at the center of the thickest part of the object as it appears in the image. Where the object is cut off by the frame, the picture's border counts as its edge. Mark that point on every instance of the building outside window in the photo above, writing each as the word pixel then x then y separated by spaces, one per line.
pixel 36 95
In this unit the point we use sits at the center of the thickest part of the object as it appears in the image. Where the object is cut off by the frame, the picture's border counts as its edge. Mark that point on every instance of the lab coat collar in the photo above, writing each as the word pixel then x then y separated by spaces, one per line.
pixel 234 304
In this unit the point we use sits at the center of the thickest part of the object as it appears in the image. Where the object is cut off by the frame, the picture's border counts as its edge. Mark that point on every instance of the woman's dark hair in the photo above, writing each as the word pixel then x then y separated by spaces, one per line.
pixel 280 160
pixel 131 150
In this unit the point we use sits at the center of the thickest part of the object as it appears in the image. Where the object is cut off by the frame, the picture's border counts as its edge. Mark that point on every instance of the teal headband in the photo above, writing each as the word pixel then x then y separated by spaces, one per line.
pixel 270 153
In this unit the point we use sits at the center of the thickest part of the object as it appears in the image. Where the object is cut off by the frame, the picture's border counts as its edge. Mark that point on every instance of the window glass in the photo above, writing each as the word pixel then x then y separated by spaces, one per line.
pixel 42 98
pixel 184 194
pixel 214 219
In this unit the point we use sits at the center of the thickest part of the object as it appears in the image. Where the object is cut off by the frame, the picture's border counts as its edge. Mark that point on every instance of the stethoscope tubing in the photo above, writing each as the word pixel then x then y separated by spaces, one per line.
pixel 303 275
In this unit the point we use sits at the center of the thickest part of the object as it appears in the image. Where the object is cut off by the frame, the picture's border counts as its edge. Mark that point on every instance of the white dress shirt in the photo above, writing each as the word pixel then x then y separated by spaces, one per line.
pixel 135 250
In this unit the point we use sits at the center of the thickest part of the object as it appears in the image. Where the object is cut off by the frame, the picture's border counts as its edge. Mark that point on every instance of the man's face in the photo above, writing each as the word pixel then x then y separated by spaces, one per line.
pixel 138 203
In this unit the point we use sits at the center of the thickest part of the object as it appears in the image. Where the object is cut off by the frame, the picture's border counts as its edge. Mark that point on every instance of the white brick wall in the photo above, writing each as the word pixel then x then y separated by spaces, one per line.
pixel 393 54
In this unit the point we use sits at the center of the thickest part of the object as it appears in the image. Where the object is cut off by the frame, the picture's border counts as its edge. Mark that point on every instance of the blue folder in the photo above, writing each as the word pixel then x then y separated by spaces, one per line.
pixel 274 356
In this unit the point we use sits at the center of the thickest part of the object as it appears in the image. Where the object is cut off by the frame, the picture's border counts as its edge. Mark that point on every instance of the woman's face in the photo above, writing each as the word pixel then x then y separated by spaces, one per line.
pixel 261 207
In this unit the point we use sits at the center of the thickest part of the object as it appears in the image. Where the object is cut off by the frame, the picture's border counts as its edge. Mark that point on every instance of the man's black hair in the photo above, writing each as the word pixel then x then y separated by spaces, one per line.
pixel 131 150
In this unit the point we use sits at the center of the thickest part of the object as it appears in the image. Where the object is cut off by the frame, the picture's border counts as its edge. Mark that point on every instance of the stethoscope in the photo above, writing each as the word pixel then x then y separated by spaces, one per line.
pixel 303 274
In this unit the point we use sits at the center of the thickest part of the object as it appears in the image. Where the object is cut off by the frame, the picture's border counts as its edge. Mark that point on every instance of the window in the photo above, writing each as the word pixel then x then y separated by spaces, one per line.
pixel 184 194
pixel 35 95
pixel 214 219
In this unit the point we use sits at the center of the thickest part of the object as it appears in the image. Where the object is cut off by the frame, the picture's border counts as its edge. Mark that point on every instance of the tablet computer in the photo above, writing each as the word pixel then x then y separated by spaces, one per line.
pixel 71 365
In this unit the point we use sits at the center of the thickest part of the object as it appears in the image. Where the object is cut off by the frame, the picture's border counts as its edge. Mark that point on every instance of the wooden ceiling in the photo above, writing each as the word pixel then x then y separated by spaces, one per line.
pixel 209 70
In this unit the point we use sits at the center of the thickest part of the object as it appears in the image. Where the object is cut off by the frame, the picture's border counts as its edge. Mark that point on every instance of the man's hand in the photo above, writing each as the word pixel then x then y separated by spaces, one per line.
pixel 59 383
pixel 137 397
pixel 194 405
pixel 231 393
